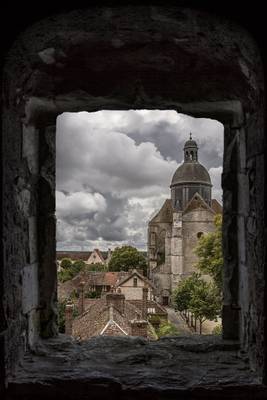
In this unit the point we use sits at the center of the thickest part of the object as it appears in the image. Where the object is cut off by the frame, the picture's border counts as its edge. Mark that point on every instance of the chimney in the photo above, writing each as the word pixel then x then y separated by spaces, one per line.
pixel 68 318
pixel 139 327
pixel 117 300
pixel 144 302
pixel 81 298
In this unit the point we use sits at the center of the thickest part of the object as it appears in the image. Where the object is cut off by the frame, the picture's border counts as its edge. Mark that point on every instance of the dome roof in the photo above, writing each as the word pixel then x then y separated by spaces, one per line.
pixel 190 143
pixel 191 172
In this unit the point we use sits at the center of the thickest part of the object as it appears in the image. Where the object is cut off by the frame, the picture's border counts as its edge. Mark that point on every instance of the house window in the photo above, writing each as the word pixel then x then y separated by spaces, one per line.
pixel 135 282
pixel 199 234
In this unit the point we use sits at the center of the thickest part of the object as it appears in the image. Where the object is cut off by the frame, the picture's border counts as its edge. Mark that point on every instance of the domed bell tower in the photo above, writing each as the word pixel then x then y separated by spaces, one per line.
pixel 190 150
pixel 191 177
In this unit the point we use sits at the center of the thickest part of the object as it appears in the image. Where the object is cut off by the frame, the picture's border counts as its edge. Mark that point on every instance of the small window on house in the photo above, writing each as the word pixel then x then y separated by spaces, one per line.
pixel 199 234
pixel 135 282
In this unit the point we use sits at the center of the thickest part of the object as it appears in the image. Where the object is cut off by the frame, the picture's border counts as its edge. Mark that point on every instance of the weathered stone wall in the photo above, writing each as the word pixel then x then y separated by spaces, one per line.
pixel 252 239
pixel 21 299
pixel 194 222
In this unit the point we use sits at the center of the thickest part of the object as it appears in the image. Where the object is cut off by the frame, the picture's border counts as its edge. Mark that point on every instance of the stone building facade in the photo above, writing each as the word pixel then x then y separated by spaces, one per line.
pixel 132 286
pixel 174 231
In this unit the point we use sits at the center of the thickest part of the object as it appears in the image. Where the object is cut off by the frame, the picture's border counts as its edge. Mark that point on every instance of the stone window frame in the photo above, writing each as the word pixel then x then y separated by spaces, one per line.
pixel 230 115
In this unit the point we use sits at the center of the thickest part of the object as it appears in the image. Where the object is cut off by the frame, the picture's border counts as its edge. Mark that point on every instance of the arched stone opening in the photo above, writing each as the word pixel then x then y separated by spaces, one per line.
pixel 101 60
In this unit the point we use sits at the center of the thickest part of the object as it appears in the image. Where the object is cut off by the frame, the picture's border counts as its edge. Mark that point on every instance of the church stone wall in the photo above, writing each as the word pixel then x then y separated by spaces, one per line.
pixel 193 223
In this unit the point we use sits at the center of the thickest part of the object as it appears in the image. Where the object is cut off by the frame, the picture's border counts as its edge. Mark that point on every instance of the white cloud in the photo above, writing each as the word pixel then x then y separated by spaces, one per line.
pixel 215 175
pixel 79 203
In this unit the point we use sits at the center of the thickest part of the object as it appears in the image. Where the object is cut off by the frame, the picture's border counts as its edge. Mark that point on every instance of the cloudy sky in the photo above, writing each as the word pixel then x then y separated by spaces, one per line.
pixel 114 170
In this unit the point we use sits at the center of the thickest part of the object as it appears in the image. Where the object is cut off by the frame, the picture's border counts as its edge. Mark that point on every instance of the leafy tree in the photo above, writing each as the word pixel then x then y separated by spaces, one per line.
pixel 201 299
pixel 77 266
pixel 66 263
pixel 166 328
pixel 209 252
pixel 98 267
pixel 65 275
pixel 68 273
pixel 126 257
pixel 205 302
pixel 217 330
pixel 61 306
pixel 184 292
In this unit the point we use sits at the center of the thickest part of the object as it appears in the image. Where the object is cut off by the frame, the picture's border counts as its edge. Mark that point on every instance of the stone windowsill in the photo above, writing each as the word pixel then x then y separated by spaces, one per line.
pixel 129 366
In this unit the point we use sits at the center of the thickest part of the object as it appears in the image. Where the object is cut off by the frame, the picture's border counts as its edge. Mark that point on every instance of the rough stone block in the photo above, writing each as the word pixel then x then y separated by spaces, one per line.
pixel 243 194
pixel 32 222
pixel 29 288
pixel 31 148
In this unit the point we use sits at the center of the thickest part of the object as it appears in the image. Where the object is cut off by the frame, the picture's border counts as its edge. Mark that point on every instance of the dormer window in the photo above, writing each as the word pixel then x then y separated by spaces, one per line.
pixel 135 282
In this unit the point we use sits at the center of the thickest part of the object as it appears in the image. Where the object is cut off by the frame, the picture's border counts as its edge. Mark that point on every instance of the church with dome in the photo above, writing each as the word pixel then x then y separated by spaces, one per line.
pixel 174 231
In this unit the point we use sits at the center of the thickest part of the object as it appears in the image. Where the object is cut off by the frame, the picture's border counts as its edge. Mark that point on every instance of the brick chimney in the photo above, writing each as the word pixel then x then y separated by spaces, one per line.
pixel 144 302
pixel 81 298
pixel 139 327
pixel 117 300
pixel 68 318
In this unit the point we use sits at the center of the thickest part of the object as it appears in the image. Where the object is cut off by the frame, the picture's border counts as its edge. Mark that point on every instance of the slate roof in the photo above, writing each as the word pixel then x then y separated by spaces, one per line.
pixel 197 202
pixel 191 172
pixel 159 309
pixel 129 276
pixel 93 321
pixel 165 214
pixel 216 206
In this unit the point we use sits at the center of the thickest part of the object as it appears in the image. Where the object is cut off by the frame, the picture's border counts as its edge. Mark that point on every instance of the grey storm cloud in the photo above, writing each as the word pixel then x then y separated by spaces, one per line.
pixel 114 169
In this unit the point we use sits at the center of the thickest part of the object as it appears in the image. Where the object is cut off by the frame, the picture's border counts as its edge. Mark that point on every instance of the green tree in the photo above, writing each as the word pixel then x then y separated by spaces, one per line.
pixel 78 266
pixel 66 263
pixel 68 273
pixel 61 306
pixel 205 303
pixel 65 275
pixel 196 297
pixel 183 294
pixel 166 328
pixel 209 252
pixel 98 267
pixel 125 258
